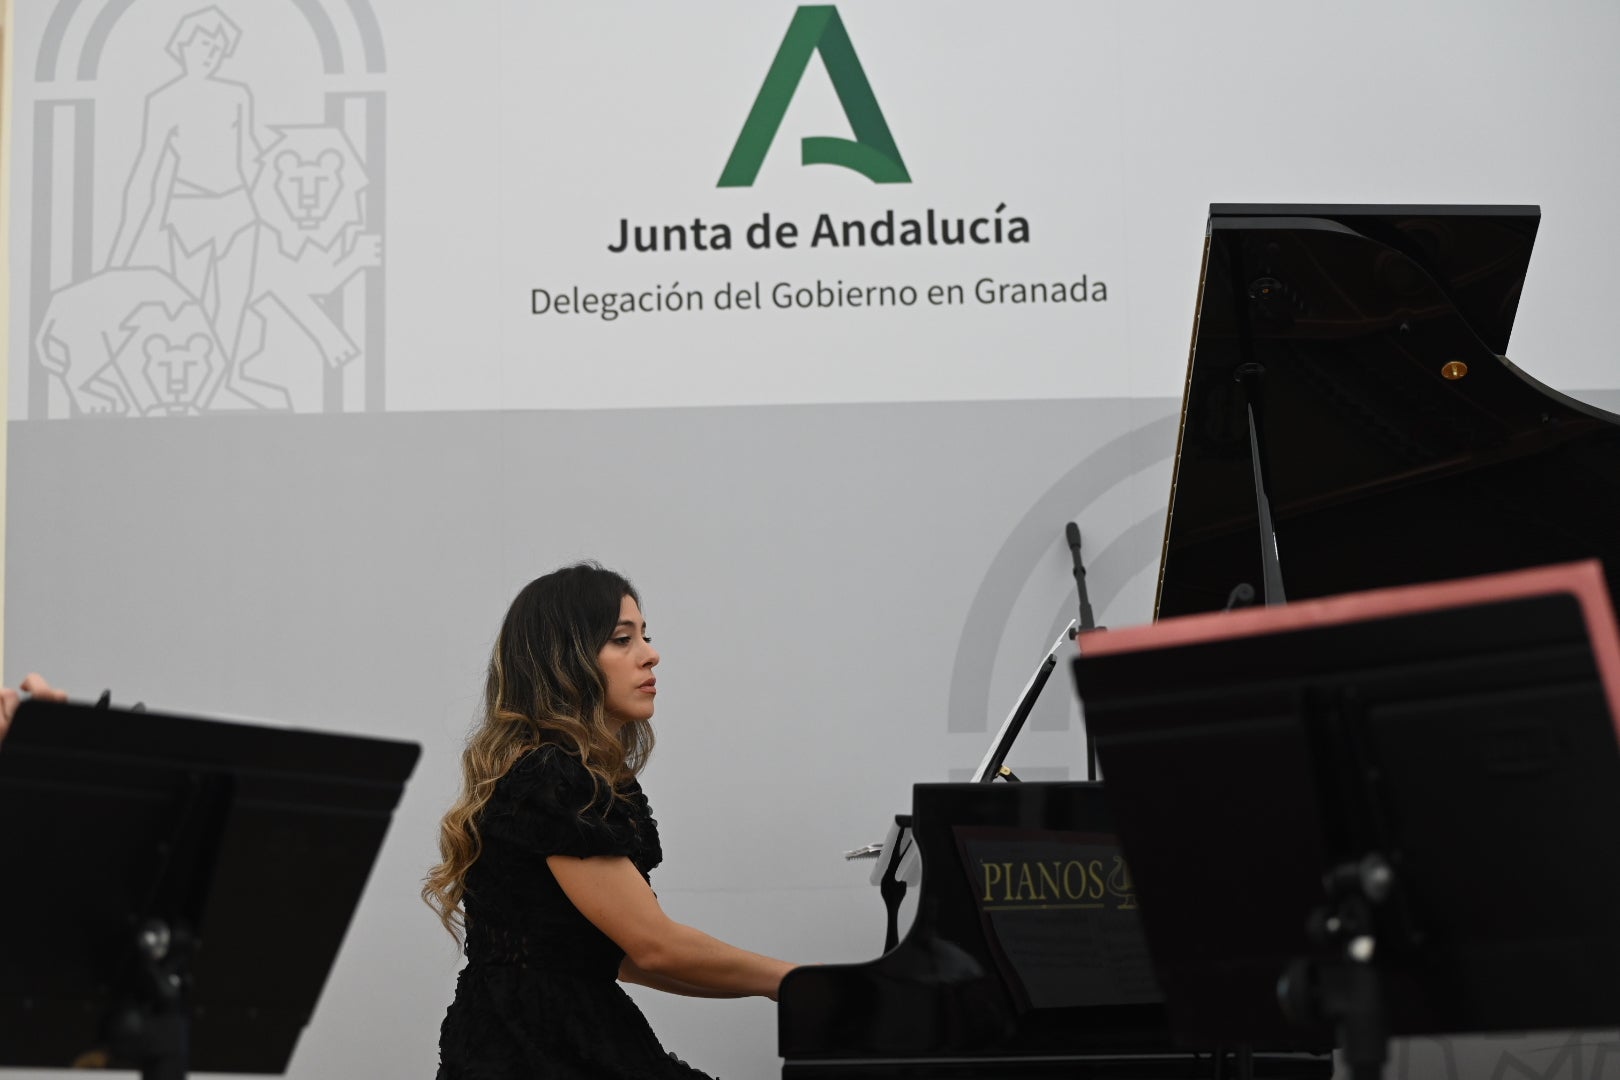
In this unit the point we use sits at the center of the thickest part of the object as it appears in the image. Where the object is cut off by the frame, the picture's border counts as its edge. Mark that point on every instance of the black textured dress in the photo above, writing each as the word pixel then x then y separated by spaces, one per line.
pixel 539 997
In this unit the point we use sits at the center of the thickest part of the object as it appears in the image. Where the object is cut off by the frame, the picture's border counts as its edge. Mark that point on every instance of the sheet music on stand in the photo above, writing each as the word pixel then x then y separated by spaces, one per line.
pixel 992 764
pixel 897 862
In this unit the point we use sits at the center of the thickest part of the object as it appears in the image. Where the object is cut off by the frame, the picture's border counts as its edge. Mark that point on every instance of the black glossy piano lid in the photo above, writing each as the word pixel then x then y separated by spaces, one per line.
pixel 1382 471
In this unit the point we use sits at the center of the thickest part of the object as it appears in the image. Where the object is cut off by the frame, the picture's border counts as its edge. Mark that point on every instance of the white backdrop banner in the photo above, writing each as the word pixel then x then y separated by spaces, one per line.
pixel 345 205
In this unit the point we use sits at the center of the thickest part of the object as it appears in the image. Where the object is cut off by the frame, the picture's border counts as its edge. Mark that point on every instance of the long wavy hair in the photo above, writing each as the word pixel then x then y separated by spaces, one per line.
pixel 545 686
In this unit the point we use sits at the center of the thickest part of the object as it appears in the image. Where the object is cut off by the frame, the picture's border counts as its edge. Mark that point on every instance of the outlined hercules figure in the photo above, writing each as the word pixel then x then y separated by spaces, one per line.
pixel 191 180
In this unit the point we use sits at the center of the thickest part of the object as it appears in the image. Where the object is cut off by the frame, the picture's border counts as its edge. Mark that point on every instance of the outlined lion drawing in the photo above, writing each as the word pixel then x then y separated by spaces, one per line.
pixel 310 198
pixel 131 343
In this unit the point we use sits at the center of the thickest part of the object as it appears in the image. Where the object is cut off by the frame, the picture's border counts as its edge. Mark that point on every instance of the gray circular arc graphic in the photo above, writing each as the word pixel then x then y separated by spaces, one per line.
pixel 968 707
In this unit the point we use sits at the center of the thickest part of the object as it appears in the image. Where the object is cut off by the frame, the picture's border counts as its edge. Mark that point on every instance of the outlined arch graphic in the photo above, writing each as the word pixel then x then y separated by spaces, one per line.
pixel 64 247
pixel 103 18
pixel 968 703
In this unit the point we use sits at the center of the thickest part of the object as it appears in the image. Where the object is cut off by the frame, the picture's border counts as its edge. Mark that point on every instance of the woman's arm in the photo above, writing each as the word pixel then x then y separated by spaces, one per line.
pixel 611 893
pixel 628 972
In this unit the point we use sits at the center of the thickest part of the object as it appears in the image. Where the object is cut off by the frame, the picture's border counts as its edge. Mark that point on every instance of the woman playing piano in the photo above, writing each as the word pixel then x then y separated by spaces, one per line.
pixel 548 849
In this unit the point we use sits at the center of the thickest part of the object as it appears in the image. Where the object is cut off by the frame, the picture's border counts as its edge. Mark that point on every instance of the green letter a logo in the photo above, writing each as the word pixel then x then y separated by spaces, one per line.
pixel 872 153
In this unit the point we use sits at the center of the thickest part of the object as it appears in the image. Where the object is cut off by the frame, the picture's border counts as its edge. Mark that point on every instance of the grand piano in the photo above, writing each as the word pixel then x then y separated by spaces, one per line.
pixel 1350 421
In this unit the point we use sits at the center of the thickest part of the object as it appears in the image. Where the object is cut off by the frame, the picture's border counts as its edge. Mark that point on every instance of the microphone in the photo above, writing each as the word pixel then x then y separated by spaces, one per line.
pixel 1071 532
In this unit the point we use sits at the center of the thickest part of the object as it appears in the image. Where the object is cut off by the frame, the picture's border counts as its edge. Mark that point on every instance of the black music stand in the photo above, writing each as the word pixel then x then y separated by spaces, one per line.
pixel 1379 816
pixel 177 888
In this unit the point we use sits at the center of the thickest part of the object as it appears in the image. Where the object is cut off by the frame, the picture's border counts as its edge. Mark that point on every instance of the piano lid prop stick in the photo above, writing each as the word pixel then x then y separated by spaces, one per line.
pixel 1249 376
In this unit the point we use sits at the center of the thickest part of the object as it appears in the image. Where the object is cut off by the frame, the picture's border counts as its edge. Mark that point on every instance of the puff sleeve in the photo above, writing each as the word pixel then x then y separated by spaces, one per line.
pixel 548 803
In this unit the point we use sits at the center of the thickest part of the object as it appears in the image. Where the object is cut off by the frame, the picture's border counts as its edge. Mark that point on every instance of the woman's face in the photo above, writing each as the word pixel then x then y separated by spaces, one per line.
pixel 627 662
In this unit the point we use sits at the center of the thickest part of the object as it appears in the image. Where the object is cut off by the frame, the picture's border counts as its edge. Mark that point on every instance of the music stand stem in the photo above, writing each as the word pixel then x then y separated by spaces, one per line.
pixel 154 1030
